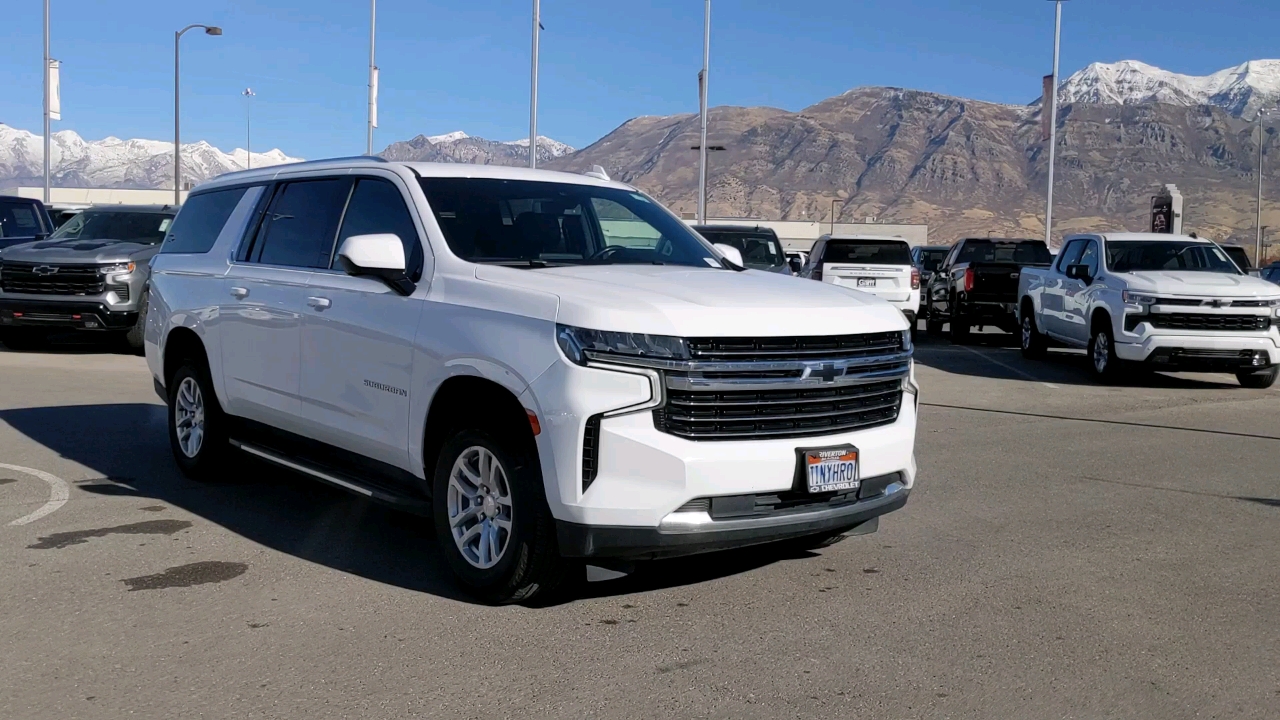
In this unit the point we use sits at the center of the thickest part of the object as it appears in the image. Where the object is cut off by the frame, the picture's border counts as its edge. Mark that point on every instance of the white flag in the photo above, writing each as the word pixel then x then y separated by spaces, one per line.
pixel 55 99
pixel 373 98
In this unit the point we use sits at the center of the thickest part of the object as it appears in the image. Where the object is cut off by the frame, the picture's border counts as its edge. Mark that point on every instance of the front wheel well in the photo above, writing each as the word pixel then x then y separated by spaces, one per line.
pixel 1099 317
pixel 473 402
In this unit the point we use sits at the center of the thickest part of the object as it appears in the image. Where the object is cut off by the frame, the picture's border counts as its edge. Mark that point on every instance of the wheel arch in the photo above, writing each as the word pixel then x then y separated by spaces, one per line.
pixel 472 401
pixel 1100 315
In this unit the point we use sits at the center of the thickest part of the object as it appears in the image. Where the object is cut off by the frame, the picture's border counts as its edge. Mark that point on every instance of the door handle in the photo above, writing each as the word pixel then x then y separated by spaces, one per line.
pixel 319 303
pixel 239 293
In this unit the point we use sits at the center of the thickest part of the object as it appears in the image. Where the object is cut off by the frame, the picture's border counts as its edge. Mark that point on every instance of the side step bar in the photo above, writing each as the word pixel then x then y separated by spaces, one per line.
pixel 377 493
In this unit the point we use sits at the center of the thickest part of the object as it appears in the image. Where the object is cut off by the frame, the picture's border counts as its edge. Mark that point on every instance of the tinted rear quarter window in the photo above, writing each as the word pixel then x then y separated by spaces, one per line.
pixel 200 221
pixel 870 252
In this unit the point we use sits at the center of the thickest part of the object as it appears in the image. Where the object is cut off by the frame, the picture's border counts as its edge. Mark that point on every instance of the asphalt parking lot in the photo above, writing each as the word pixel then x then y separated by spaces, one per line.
pixel 1071 551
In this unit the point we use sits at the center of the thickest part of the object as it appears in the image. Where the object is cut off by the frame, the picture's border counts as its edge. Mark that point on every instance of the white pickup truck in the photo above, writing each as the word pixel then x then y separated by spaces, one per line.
pixel 1169 302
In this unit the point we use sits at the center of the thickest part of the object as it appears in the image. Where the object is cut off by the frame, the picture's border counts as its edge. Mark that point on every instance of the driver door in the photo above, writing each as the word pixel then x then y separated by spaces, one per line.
pixel 1076 296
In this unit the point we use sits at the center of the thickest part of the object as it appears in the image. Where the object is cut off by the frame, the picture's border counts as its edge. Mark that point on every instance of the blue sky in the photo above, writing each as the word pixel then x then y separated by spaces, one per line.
pixel 450 65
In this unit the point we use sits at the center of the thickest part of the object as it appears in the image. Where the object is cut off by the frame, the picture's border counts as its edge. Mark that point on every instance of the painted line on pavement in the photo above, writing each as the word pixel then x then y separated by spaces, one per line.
pixel 59 493
pixel 1008 367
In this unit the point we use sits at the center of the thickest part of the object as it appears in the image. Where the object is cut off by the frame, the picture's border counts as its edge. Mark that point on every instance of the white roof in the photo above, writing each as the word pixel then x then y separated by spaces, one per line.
pixel 841 236
pixel 1141 237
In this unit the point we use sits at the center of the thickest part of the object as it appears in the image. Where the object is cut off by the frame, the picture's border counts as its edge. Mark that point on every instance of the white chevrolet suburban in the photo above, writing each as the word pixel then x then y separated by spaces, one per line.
pixel 1168 302
pixel 552 366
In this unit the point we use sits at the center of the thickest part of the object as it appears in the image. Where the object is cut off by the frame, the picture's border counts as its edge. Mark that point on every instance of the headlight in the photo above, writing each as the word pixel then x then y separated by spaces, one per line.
pixel 906 340
pixel 1133 298
pixel 1274 303
pixel 582 344
pixel 117 268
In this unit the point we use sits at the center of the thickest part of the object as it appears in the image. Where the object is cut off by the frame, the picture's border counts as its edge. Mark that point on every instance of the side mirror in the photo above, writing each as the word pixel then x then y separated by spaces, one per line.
pixel 731 254
pixel 380 256
pixel 1079 272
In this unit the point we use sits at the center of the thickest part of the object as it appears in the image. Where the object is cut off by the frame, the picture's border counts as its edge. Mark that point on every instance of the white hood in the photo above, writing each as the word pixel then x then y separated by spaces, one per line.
pixel 1199 284
pixel 693 302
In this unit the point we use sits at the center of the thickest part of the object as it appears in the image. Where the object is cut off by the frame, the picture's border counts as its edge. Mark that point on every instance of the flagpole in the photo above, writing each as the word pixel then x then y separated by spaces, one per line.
pixel 46 102
pixel 533 86
pixel 1053 121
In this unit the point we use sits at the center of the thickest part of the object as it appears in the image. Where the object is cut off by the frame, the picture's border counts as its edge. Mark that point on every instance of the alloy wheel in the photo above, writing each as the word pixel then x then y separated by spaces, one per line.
pixel 479 506
pixel 1101 352
pixel 1026 332
pixel 188 417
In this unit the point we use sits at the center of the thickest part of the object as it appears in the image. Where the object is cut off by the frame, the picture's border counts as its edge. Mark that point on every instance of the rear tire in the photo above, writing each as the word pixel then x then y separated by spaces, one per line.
pixel 1034 343
pixel 488 492
pixel 1259 380
pixel 197 425
pixel 932 325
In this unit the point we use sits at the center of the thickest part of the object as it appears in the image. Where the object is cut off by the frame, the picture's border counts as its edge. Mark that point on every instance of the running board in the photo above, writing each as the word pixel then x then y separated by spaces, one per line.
pixel 385 495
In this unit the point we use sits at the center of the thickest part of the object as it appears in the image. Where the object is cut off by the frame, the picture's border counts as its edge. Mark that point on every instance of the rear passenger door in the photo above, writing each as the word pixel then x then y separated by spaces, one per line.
pixel 266 285
pixel 357 335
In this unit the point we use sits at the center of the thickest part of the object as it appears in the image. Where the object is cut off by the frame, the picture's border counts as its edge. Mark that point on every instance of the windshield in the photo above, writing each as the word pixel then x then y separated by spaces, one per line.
pixel 869 252
pixel 488 220
pixel 931 258
pixel 137 227
pixel 760 251
pixel 1030 252
pixel 1137 256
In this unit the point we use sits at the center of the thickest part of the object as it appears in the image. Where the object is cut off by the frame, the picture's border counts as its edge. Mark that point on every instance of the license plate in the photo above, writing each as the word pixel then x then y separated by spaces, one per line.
pixel 866 282
pixel 831 470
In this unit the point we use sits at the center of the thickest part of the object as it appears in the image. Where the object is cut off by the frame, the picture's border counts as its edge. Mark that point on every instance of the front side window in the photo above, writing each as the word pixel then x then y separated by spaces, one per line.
pixel 1144 255
pixel 536 224
pixel 377 207
pixel 868 252
pixel 146 228
pixel 1070 255
pixel 200 221
pixel 301 224
pixel 1089 258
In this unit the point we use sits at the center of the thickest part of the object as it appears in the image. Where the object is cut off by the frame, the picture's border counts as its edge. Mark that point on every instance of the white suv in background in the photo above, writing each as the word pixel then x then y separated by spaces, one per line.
pixel 873 264
pixel 553 366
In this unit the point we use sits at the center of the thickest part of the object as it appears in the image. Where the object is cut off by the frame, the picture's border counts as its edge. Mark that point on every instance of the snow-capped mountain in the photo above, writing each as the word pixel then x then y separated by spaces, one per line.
pixel 1240 90
pixel 459 147
pixel 115 163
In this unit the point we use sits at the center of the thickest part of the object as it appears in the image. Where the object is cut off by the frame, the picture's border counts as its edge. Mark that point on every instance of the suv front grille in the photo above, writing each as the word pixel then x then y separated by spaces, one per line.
pixel 51 279
pixel 793 387
pixel 1206 322
pixel 816 410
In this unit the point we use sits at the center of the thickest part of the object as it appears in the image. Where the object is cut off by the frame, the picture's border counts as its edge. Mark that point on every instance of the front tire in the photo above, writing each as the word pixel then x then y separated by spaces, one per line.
pixel 1258 380
pixel 932 325
pixel 1105 366
pixel 134 337
pixel 491 518
pixel 1033 341
pixel 197 425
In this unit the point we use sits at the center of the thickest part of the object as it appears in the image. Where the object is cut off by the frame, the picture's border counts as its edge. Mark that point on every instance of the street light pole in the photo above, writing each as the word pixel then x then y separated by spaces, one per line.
pixel 248 138
pixel 177 116
pixel 1053 120
pixel 1258 249
pixel 533 85
pixel 46 102
pixel 373 76
pixel 705 78
pixel 833 214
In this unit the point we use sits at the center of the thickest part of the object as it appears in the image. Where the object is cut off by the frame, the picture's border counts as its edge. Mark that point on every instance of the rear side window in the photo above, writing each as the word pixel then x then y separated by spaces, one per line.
pixel 869 252
pixel 377 207
pixel 301 224
pixel 200 221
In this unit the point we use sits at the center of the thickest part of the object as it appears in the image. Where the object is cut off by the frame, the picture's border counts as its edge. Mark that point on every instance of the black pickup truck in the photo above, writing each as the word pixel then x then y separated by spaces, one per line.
pixel 977 284
pixel 22 220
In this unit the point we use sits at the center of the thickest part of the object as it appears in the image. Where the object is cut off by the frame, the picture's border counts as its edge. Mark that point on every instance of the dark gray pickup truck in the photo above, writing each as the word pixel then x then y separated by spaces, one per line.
pixel 977 284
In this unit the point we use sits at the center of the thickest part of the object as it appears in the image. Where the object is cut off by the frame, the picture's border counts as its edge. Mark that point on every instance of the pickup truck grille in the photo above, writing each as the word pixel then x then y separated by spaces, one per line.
pixel 1206 322
pixel 50 279
pixel 770 388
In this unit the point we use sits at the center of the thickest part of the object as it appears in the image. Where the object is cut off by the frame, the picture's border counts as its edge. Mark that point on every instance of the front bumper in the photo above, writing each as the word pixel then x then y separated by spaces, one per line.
pixel 1198 350
pixel 699 532
pixel 53 315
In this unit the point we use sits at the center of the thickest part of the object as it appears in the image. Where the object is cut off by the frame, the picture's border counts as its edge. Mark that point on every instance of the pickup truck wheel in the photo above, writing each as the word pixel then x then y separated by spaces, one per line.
pixel 492 521
pixel 1259 380
pixel 134 336
pixel 1033 341
pixel 932 325
pixel 197 426
pixel 1103 363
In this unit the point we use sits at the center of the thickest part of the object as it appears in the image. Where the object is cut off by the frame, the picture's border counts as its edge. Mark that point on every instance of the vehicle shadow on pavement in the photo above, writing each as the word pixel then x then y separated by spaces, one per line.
pixel 998 356
pixel 127 444
pixel 79 344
